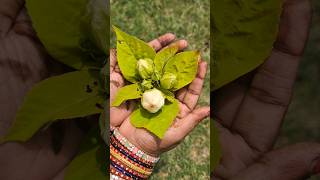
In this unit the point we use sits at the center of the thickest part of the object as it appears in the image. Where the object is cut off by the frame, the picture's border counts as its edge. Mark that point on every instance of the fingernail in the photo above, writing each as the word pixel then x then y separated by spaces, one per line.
pixel 184 43
pixel 316 169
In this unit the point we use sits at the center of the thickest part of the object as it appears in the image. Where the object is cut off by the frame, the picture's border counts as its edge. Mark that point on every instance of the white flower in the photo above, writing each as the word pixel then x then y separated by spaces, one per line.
pixel 152 100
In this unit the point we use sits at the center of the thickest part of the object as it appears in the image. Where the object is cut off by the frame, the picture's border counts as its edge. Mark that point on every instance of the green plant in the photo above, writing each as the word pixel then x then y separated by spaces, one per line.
pixel 139 63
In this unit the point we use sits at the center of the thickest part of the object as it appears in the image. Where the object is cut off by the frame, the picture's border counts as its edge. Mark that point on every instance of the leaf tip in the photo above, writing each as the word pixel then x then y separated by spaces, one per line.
pixel 114 27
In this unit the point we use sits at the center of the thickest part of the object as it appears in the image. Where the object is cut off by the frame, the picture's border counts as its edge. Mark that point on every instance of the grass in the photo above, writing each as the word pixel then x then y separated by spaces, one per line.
pixel 302 122
pixel 190 20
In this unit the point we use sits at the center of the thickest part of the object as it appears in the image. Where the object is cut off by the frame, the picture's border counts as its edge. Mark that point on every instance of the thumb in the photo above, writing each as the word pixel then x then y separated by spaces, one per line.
pixel 184 126
pixel 298 161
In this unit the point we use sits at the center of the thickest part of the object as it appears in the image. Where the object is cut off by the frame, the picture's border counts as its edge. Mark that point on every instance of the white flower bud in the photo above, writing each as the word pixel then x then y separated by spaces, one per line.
pixel 168 80
pixel 152 100
pixel 145 68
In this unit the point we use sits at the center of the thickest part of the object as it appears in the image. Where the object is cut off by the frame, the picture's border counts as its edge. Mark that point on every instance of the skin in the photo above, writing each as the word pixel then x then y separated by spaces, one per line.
pixel 250 111
pixel 187 119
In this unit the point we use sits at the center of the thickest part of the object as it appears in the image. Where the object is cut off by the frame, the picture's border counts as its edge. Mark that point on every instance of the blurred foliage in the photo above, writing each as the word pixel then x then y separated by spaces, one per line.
pixel 302 122
pixel 188 19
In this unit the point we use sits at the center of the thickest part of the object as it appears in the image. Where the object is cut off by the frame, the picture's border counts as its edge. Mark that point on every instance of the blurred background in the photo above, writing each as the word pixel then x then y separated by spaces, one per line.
pixel 190 20
pixel 302 122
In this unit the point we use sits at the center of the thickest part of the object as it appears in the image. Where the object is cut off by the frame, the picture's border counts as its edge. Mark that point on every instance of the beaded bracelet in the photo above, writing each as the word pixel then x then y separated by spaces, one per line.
pixel 128 163
pixel 126 160
pixel 117 173
pixel 128 166
pixel 132 159
pixel 115 177
pixel 133 148
pixel 122 172
pixel 117 145
pixel 128 169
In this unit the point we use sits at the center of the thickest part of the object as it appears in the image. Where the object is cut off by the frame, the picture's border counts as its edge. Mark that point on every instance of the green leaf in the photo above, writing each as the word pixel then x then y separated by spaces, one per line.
pixel 215 148
pixel 163 56
pixel 98 23
pixel 157 123
pixel 70 29
pixel 128 92
pixel 129 50
pixel 185 66
pixel 168 94
pixel 67 96
pixel 243 35
pixel 90 163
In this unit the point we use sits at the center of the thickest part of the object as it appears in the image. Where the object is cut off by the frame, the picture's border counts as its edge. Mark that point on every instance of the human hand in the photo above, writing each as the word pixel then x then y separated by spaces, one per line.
pixel 188 117
pixel 250 110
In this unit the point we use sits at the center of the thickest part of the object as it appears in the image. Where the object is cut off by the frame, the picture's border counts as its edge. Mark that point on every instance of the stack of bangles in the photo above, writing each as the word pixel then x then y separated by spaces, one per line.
pixel 126 160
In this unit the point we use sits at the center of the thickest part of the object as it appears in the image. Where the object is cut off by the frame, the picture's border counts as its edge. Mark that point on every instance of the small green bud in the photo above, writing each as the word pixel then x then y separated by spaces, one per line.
pixel 168 80
pixel 147 84
pixel 152 100
pixel 145 68
pixel 156 76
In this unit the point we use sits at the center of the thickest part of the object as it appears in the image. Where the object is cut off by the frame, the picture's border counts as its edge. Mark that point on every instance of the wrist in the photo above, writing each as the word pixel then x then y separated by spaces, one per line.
pixel 128 161
pixel 143 140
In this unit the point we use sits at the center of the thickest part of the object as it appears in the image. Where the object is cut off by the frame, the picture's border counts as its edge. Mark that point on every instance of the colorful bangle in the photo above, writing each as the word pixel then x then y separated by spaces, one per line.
pixel 115 177
pixel 134 149
pixel 128 169
pixel 123 172
pixel 126 162
pixel 131 159
pixel 117 145
pixel 118 173
pixel 132 166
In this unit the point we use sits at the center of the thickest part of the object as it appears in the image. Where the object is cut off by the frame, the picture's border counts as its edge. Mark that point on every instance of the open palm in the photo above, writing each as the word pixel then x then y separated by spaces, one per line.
pixel 250 110
pixel 189 116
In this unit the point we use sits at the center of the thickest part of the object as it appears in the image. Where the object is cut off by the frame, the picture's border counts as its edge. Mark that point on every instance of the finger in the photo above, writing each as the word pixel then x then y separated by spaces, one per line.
pixel 182 127
pixel 227 100
pixel 9 10
pixel 264 106
pixel 113 59
pixel 181 93
pixel 116 82
pixel 162 41
pixel 194 89
pixel 181 44
pixel 295 162
pixel 120 113
pixel 116 79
